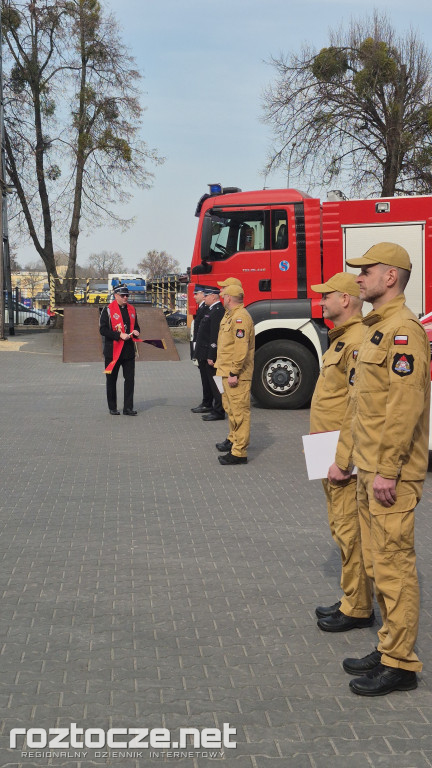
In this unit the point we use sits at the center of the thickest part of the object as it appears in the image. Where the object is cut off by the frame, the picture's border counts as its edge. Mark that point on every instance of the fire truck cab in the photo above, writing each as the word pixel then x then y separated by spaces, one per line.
pixel 279 243
pixel 271 242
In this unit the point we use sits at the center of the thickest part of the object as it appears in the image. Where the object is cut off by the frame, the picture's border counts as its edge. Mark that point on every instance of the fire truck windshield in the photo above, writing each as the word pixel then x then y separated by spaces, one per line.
pixel 232 231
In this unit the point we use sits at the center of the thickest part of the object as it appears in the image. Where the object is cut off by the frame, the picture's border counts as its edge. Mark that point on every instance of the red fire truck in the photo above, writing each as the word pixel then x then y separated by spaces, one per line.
pixel 279 243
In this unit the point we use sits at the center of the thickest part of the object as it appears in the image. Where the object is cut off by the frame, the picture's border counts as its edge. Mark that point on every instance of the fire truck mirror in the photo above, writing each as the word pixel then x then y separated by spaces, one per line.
pixel 202 269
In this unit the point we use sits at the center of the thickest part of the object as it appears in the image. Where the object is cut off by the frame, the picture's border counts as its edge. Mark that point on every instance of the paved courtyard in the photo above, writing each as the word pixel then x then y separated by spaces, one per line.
pixel 143 585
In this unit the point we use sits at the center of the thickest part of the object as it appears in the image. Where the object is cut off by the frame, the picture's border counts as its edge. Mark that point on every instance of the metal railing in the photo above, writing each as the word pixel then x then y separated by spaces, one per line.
pixel 167 293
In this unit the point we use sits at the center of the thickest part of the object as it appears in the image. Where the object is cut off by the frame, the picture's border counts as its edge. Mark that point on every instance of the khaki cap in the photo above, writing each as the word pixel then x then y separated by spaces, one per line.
pixel 230 281
pixel 343 282
pixel 384 253
pixel 234 290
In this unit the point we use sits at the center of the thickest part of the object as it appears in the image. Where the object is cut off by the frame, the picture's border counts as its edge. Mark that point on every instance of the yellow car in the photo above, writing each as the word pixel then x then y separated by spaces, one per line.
pixel 94 297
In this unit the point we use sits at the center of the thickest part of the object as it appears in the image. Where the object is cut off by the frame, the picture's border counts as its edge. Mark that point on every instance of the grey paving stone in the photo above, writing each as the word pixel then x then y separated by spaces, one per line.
pixel 362 759
pixel 142 584
pixel 237 762
pixel 297 761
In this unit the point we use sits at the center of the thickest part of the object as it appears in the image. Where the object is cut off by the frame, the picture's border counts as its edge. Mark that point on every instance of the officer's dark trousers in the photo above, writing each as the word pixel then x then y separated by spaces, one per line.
pixel 207 399
pixel 217 406
pixel 129 381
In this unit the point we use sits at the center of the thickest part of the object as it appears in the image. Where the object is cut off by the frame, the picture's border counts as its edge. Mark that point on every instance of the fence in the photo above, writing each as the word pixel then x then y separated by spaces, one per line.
pixel 168 293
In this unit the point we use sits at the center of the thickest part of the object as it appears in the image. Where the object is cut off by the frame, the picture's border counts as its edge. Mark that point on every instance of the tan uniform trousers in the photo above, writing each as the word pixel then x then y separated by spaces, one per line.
pixel 390 560
pixel 345 528
pixel 236 402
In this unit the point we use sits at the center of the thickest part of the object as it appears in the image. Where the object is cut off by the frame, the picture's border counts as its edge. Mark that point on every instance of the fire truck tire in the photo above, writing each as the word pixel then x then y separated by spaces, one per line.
pixel 285 375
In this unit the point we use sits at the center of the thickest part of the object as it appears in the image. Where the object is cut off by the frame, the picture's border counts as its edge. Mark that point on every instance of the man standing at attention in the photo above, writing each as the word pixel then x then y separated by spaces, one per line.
pixel 226 445
pixel 207 395
pixel 206 349
pixel 119 325
pixel 235 363
pixel 341 304
pixel 387 439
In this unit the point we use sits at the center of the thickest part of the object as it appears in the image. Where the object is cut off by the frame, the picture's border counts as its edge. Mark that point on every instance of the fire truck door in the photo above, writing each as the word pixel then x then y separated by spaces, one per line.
pixel 284 283
pixel 240 248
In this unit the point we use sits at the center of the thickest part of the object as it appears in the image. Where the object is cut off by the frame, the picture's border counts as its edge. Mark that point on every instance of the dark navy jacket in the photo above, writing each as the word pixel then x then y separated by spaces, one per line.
pixel 105 329
pixel 208 330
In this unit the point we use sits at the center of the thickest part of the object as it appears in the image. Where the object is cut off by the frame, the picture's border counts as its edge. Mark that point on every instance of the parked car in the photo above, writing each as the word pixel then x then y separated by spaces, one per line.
pixel 27 316
pixel 176 319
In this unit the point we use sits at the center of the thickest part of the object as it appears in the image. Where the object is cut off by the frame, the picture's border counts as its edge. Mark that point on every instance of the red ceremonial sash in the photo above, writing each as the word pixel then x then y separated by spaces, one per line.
pixel 117 324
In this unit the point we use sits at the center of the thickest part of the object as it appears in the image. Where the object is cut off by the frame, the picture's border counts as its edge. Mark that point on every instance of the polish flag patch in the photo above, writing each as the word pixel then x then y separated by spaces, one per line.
pixel 401 339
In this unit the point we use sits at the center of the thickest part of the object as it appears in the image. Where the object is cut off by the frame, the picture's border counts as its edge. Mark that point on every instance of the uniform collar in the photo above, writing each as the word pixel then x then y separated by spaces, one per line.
pixel 388 309
pixel 235 309
pixel 215 304
pixel 334 333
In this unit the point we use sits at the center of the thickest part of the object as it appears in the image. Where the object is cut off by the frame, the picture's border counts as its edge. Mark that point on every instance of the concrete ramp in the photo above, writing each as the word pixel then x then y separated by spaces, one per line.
pixel 82 342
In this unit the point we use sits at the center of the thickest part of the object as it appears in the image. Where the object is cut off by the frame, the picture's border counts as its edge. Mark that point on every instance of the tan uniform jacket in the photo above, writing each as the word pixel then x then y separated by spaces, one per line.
pixel 236 344
pixel 336 380
pixel 389 430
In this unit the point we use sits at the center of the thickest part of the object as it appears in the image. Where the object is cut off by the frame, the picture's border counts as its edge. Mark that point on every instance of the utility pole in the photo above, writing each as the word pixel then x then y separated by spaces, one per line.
pixel 5 272
pixel 2 280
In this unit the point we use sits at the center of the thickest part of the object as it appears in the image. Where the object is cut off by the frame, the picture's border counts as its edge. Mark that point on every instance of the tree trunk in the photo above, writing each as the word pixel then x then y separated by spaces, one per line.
pixel 80 159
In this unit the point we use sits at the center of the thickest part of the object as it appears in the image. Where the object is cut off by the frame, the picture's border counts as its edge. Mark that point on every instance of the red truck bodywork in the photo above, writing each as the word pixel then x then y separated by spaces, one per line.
pixel 279 243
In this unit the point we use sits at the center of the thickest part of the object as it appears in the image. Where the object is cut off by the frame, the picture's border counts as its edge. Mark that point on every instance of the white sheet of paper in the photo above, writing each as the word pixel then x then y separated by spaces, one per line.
pixel 320 452
pixel 218 382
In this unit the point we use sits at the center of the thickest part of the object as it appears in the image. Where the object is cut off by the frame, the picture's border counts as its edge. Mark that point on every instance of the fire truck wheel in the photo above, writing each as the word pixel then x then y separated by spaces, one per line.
pixel 285 375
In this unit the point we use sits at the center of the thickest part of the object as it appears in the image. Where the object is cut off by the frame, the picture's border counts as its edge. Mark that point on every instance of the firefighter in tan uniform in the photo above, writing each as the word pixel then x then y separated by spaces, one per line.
pixel 387 439
pixel 226 445
pixel 235 362
pixel 341 304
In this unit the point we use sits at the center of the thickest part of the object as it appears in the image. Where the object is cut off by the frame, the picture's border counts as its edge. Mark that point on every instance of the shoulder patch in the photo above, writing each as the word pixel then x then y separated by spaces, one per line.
pixel 240 333
pixel 403 365
pixel 400 339
pixel 376 338
pixel 355 353
pixel 239 320
pixel 340 345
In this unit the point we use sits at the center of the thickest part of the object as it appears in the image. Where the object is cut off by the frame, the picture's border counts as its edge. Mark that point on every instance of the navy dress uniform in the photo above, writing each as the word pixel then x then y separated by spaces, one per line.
pixel 119 320
pixel 207 395
pixel 206 348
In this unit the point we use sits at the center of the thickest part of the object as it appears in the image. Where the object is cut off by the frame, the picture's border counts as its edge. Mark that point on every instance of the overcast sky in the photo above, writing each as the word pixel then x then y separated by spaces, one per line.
pixel 204 67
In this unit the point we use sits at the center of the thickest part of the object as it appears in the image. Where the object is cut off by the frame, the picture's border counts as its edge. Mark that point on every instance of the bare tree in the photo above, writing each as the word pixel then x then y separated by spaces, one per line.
pixel 104 263
pixel 360 110
pixel 61 258
pixel 73 120
pixel 32 281
pixel 14 263
pixel 158 264
pixel 35 266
